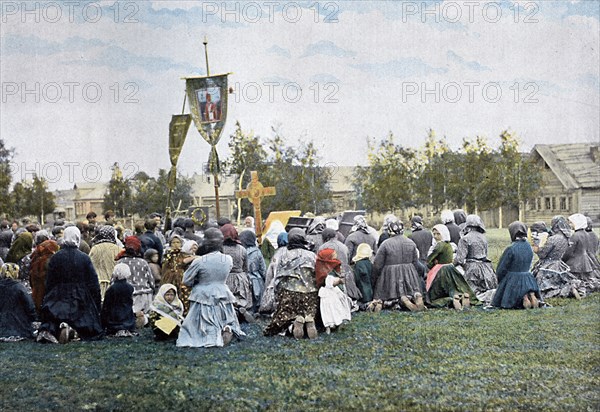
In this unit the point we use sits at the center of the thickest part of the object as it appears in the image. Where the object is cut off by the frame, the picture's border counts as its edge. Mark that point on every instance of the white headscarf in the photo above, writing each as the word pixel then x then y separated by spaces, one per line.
pixel 443 231
pixel 72 236
pixel 274 230
pixel 579 221
pixel 121 271
pixel 447 216
pixel 332 224
pixel 187 246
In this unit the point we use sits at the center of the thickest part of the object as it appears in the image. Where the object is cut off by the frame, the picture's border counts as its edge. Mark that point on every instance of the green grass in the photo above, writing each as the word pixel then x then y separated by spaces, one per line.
pixel 442 360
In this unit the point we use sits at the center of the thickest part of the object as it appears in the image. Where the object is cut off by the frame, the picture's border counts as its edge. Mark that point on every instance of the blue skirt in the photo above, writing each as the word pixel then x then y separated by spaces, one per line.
pixel 512 288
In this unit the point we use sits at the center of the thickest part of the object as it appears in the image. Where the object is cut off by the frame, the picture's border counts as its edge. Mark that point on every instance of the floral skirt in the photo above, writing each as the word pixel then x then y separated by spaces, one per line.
pixel 290 305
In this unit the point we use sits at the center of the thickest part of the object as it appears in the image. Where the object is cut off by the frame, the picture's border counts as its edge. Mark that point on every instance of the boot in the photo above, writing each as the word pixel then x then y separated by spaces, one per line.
pixel 526 302
pixel 408 304
pixel 298 330
pixel 466 301
pixel 65 333
pixel 535 303
pixel 419 302
pixel 227 335
pixel 456 302
pixel 576 294
pixel 311 329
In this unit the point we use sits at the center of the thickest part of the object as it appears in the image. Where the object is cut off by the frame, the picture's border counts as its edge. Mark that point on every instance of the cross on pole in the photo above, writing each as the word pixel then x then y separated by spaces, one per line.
pixel 254 192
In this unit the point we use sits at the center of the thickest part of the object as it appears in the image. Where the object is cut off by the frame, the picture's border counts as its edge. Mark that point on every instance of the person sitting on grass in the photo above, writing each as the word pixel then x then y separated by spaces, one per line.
pixel 118 318
pixel 212 319
pixel 334 302
pixel 17 311
pixel 445 285
pixel 72 297
pixel 517 288
pixel 166 313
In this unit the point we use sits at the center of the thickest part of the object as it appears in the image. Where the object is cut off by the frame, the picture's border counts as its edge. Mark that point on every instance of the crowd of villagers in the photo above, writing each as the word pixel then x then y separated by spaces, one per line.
pixel 90 280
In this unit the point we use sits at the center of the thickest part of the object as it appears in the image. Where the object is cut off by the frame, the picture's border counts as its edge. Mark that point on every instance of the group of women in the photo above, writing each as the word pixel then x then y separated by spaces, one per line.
pixel 201 293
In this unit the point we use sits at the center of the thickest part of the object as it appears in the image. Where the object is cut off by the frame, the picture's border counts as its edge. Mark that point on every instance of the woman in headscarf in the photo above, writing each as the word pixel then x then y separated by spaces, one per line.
pixel 421 237
pixel 471 254
pixel 296 291
pixel 37 273
pixel 362 273
pixel 517 288
pixel 330 241
pixel 103 253
pixel 577 257
pixel 173 268
pixel 141 277
pixel 445 285
pixel 447 217
pixel 212 319
pixel 19 253
pixel 592 247
pixel 394 273
pixel 335 304
pixel 117 314
pixel 313 233
pixel 17 311
pixel 257 269
pixel 238 280
pixel 360 234
pixel 268 304
pixel 166 313
pixel 551 273
pixel 72 297
pixel 385 233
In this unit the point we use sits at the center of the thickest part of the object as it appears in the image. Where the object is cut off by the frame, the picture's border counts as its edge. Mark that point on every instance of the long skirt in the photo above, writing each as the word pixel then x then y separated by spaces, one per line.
pixel 480 276
pixel 239 284
pixel 396 281
pixel 512 288
pixel 443 282
pixel 555 279
pixel 203 325
pixel 290 305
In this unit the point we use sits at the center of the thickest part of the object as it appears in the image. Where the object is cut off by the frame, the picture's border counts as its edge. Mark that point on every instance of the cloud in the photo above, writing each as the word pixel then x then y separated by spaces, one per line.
pixel 326 48
pixel 473 65
pixel 35 46
pixel 279 51
pixel 401 68
pixel 324 78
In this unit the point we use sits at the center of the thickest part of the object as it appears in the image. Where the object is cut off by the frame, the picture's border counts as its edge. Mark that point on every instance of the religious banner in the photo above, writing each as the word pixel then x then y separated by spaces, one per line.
pixel 207 97
pixel 178 128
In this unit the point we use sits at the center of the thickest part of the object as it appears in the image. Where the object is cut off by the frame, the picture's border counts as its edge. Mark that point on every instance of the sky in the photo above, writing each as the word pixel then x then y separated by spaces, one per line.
pixel 88 84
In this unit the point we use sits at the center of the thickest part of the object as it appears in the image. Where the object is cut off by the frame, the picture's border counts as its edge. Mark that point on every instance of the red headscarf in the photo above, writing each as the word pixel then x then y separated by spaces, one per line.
pixel 133 248
pixel 230 233
pixel 325 264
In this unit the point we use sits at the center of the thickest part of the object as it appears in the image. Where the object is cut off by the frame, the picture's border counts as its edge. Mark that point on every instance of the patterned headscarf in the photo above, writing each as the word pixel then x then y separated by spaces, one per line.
pixel 416 223
pixel 10 271
pixel 172 310
pixel 325 264
pixel 579 221
pixel 360 224
pixel 560 225
pixel 517 231
pixel 386 222
pixel 395 227
pixel 443 230
pixel 105 234
pixel 20 248
pixel 363 251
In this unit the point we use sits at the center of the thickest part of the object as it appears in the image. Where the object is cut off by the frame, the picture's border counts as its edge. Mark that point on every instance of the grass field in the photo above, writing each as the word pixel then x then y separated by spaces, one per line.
pixel 545 359
pixel 440 360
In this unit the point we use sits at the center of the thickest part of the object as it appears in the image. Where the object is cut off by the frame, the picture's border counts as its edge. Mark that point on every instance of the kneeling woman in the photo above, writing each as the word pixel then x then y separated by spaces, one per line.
pixel 445 285
pixel 517 288
pixel 212 319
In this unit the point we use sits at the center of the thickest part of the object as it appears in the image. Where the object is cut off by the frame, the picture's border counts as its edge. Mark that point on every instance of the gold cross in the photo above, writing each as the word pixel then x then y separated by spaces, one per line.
pixel 254 192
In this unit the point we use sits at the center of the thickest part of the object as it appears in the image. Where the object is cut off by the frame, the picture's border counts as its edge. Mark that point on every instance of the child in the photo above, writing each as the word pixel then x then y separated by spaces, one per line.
pixel 166 313
pixel 151 256
pixel 362 273
pixel 335 304
pixel 118 318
